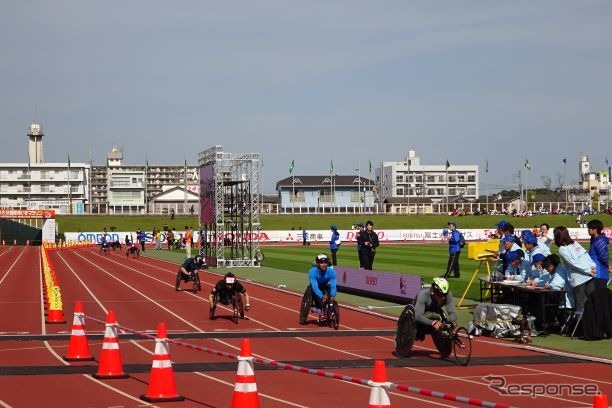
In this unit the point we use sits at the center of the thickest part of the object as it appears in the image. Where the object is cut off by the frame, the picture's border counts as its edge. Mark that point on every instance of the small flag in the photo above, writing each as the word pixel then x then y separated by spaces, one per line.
pixel 107 165
pixel 447 164
pixel 68 161
pixel 370 162
pixel 291 166
pixel 486 166
pixel 527 165
pixel 331 166
pixel 607 163
pixel 564 160
pixel 147 164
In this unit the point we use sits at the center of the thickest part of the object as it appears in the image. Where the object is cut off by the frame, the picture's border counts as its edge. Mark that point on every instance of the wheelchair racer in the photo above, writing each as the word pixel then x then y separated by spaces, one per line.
pixel 190 266
pixel 229 291
pixel 322 279
pixel 428 310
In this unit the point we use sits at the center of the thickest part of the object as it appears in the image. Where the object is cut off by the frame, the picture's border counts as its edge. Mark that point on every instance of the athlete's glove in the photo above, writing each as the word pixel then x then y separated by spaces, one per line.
pixel 247 307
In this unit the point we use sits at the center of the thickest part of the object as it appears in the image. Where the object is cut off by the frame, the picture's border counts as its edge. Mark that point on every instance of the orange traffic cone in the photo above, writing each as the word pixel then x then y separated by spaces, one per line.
pixel 245 390
pixel 111 365
pixel 161 382
pixel 78 350
pixel 600 401
pixel 378 394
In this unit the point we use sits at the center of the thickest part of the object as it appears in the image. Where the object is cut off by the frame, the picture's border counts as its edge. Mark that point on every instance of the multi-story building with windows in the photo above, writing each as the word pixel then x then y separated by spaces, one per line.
pixel 408 179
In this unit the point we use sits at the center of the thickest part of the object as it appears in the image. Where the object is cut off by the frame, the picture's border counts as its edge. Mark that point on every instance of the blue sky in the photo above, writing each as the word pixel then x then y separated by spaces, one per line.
pixel 313 81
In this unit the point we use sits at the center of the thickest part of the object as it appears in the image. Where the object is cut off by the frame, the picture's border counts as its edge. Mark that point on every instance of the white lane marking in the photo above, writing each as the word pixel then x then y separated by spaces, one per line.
pixel 11 268
pixel 4 404
pixel 558 374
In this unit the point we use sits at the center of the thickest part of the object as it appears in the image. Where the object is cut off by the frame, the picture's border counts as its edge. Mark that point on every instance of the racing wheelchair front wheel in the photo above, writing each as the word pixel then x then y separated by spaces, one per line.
pixel 334 315
pixel 462 346
pixel 305 305
pixel 406 332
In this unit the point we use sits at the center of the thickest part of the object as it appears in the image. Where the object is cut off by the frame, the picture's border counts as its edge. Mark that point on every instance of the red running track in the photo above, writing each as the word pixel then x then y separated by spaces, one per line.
pixel 141 292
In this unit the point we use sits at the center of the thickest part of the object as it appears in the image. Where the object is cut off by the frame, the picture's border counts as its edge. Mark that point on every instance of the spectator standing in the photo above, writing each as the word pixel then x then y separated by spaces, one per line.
pixel 188 239
pixel 170 239
pixel 454 250
pixel 141 236
pixel 369 243
pixel 360 228
pixel 580 267
pixel 304 236
pixel 157 238
pixel 598 250
pixel 334 244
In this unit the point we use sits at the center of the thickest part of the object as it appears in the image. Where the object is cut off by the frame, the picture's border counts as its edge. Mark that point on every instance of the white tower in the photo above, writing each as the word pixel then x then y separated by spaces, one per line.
pixel 35 147
pixel 114 157
pixel 584 167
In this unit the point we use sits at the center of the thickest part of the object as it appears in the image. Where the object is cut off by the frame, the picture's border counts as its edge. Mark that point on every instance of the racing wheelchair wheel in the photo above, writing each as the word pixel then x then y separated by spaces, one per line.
pixel 196 282
pixel 406 332
pixel 443 340
pixel 462 346
pixel 211 312
pixel 179 277
pixel 305 305
pixel 235 311
pixel 333 314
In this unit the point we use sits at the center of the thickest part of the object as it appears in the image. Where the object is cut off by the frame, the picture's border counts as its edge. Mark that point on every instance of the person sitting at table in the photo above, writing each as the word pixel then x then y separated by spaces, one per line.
pixel 517 266
pixel 509 244
pixel 536 270
pixel 555 277
pixel 532 247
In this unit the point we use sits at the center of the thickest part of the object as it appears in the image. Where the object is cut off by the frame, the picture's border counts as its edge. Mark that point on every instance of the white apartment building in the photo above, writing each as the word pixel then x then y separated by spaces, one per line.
pixel 409 179
pixel 45 186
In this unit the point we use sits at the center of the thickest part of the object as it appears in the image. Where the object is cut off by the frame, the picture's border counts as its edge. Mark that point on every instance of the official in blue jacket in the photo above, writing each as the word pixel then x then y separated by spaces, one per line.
pixel 454 250
pixel 334 244
pixel 599 253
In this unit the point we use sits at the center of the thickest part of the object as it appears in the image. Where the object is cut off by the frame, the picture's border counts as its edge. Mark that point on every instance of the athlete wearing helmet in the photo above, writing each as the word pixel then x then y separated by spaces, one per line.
pixel 428 310
pixel 189 270
pixel 227 291
pixel 322 278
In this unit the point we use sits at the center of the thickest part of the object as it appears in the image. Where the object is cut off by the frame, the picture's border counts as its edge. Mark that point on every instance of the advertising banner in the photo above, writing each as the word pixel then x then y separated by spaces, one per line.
pixel 322 236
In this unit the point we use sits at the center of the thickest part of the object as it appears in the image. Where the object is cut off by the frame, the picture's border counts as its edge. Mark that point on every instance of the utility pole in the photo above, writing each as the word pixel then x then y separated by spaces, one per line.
pixel 520 180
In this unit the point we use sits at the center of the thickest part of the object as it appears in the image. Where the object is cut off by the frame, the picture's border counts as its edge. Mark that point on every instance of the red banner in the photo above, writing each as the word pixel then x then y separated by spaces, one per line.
pixel 44 214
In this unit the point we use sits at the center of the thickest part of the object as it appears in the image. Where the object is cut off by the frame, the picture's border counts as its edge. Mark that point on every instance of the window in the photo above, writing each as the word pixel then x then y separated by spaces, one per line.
pixel 399 191
pixel 399 178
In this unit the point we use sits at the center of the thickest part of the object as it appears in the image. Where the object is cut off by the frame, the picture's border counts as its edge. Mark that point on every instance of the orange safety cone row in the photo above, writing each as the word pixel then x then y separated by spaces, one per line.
pixel 111 365
pixel 161 382
pixel 78 349
pixel 245 390
pixel 378 394
pixel 600 401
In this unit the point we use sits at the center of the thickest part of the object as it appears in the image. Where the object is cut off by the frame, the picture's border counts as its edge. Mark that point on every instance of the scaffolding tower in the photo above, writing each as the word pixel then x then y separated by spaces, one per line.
pixel 233 236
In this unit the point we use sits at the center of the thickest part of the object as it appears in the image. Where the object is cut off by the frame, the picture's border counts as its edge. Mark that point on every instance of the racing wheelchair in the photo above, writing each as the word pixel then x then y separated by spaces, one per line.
pixel 104 248
pixel 193 277
pixel 331 310
pixel 447 340
pixel 133 250
pixel 237 310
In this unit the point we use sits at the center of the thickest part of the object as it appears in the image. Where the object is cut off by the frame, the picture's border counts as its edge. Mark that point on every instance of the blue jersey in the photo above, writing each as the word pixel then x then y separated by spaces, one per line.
pixel 319 282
